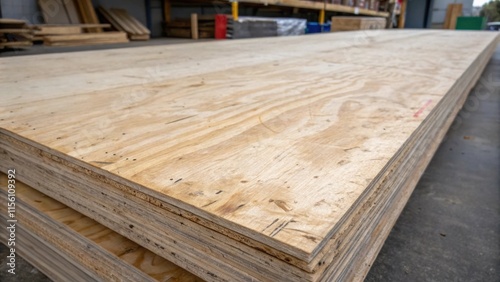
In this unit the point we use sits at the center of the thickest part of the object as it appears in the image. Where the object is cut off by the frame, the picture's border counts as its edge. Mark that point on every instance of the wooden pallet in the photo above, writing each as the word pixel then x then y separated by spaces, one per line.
pixel 50 234
pixel 300 175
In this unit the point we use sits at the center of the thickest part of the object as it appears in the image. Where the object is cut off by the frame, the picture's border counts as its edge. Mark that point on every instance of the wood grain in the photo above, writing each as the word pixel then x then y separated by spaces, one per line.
pixel 278 163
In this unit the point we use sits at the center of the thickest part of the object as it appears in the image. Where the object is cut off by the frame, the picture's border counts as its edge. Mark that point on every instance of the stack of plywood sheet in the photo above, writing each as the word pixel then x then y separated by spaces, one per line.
pixel 279 165
pixel 81 249
pixel 14 34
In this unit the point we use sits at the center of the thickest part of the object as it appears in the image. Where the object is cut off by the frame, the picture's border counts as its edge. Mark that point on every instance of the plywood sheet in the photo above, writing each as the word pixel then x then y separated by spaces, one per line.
pixel 271 164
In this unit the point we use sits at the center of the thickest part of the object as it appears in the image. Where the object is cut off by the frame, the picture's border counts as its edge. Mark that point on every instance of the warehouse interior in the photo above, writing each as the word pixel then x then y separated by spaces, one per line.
pixel 254 140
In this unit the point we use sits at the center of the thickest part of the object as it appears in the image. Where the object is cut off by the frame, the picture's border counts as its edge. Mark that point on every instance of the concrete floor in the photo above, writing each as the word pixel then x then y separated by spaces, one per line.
pixel 450 228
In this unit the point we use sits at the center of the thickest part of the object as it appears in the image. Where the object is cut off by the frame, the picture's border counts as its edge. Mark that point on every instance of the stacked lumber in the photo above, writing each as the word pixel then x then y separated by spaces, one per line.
pixel 122 21
pixel 49 231
pixel 67 19
pixel 198 26
pixel 357 23
pixel 299 177
pixel 14 34
pixel 40 31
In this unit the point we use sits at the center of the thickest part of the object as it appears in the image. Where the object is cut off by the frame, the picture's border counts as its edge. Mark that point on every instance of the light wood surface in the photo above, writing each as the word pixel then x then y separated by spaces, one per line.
pixel 93 250
pixel 270 164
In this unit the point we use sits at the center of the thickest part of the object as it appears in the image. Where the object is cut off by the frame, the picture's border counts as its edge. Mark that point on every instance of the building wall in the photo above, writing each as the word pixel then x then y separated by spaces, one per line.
pixel 22 9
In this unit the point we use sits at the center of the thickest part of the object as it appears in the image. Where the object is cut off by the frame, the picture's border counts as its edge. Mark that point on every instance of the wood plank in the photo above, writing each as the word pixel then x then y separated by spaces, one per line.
pixel 134 21
pixel 122 21
pixel 68 235
pixel 402 14
pixel 167 11
pixel 14 30
pixel 53 12
pixel 298 176
pixel 452 13
pixel 85 39
pixel 72 11
pixel 110 18
pixel 194 26
pixel 11 21
pixel 16 44
pixel 88 14
pixel 54 30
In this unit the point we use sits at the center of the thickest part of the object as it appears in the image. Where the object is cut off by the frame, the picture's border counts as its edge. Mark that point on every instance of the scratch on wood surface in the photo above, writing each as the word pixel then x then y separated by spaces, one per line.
pixel 102 163
pixel 181 119
pixel 309 237
pixel 279 228
pixel 210 204
pixel 282 204
pixel 263 124
pixel 274 221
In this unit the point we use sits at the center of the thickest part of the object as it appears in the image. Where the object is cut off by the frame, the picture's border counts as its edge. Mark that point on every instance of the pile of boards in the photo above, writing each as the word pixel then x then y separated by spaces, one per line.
pixel 75 35
pixel 14 34
pixel 292 165
pixel 81 13
pixel 122 21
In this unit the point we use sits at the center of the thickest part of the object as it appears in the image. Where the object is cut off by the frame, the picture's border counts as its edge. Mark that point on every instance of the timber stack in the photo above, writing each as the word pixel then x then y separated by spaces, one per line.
pixel 289 165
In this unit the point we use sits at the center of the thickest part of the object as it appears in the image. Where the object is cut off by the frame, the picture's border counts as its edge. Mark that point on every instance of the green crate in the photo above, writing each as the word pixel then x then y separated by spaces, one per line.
pixel 471 23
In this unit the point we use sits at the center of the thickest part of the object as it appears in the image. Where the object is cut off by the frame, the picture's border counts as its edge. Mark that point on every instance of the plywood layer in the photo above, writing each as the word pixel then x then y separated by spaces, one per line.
pixel 270 164
pixel 95 251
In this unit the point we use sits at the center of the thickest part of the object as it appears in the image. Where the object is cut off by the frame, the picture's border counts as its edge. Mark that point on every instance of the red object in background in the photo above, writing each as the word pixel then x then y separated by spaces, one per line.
pixel 220 26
